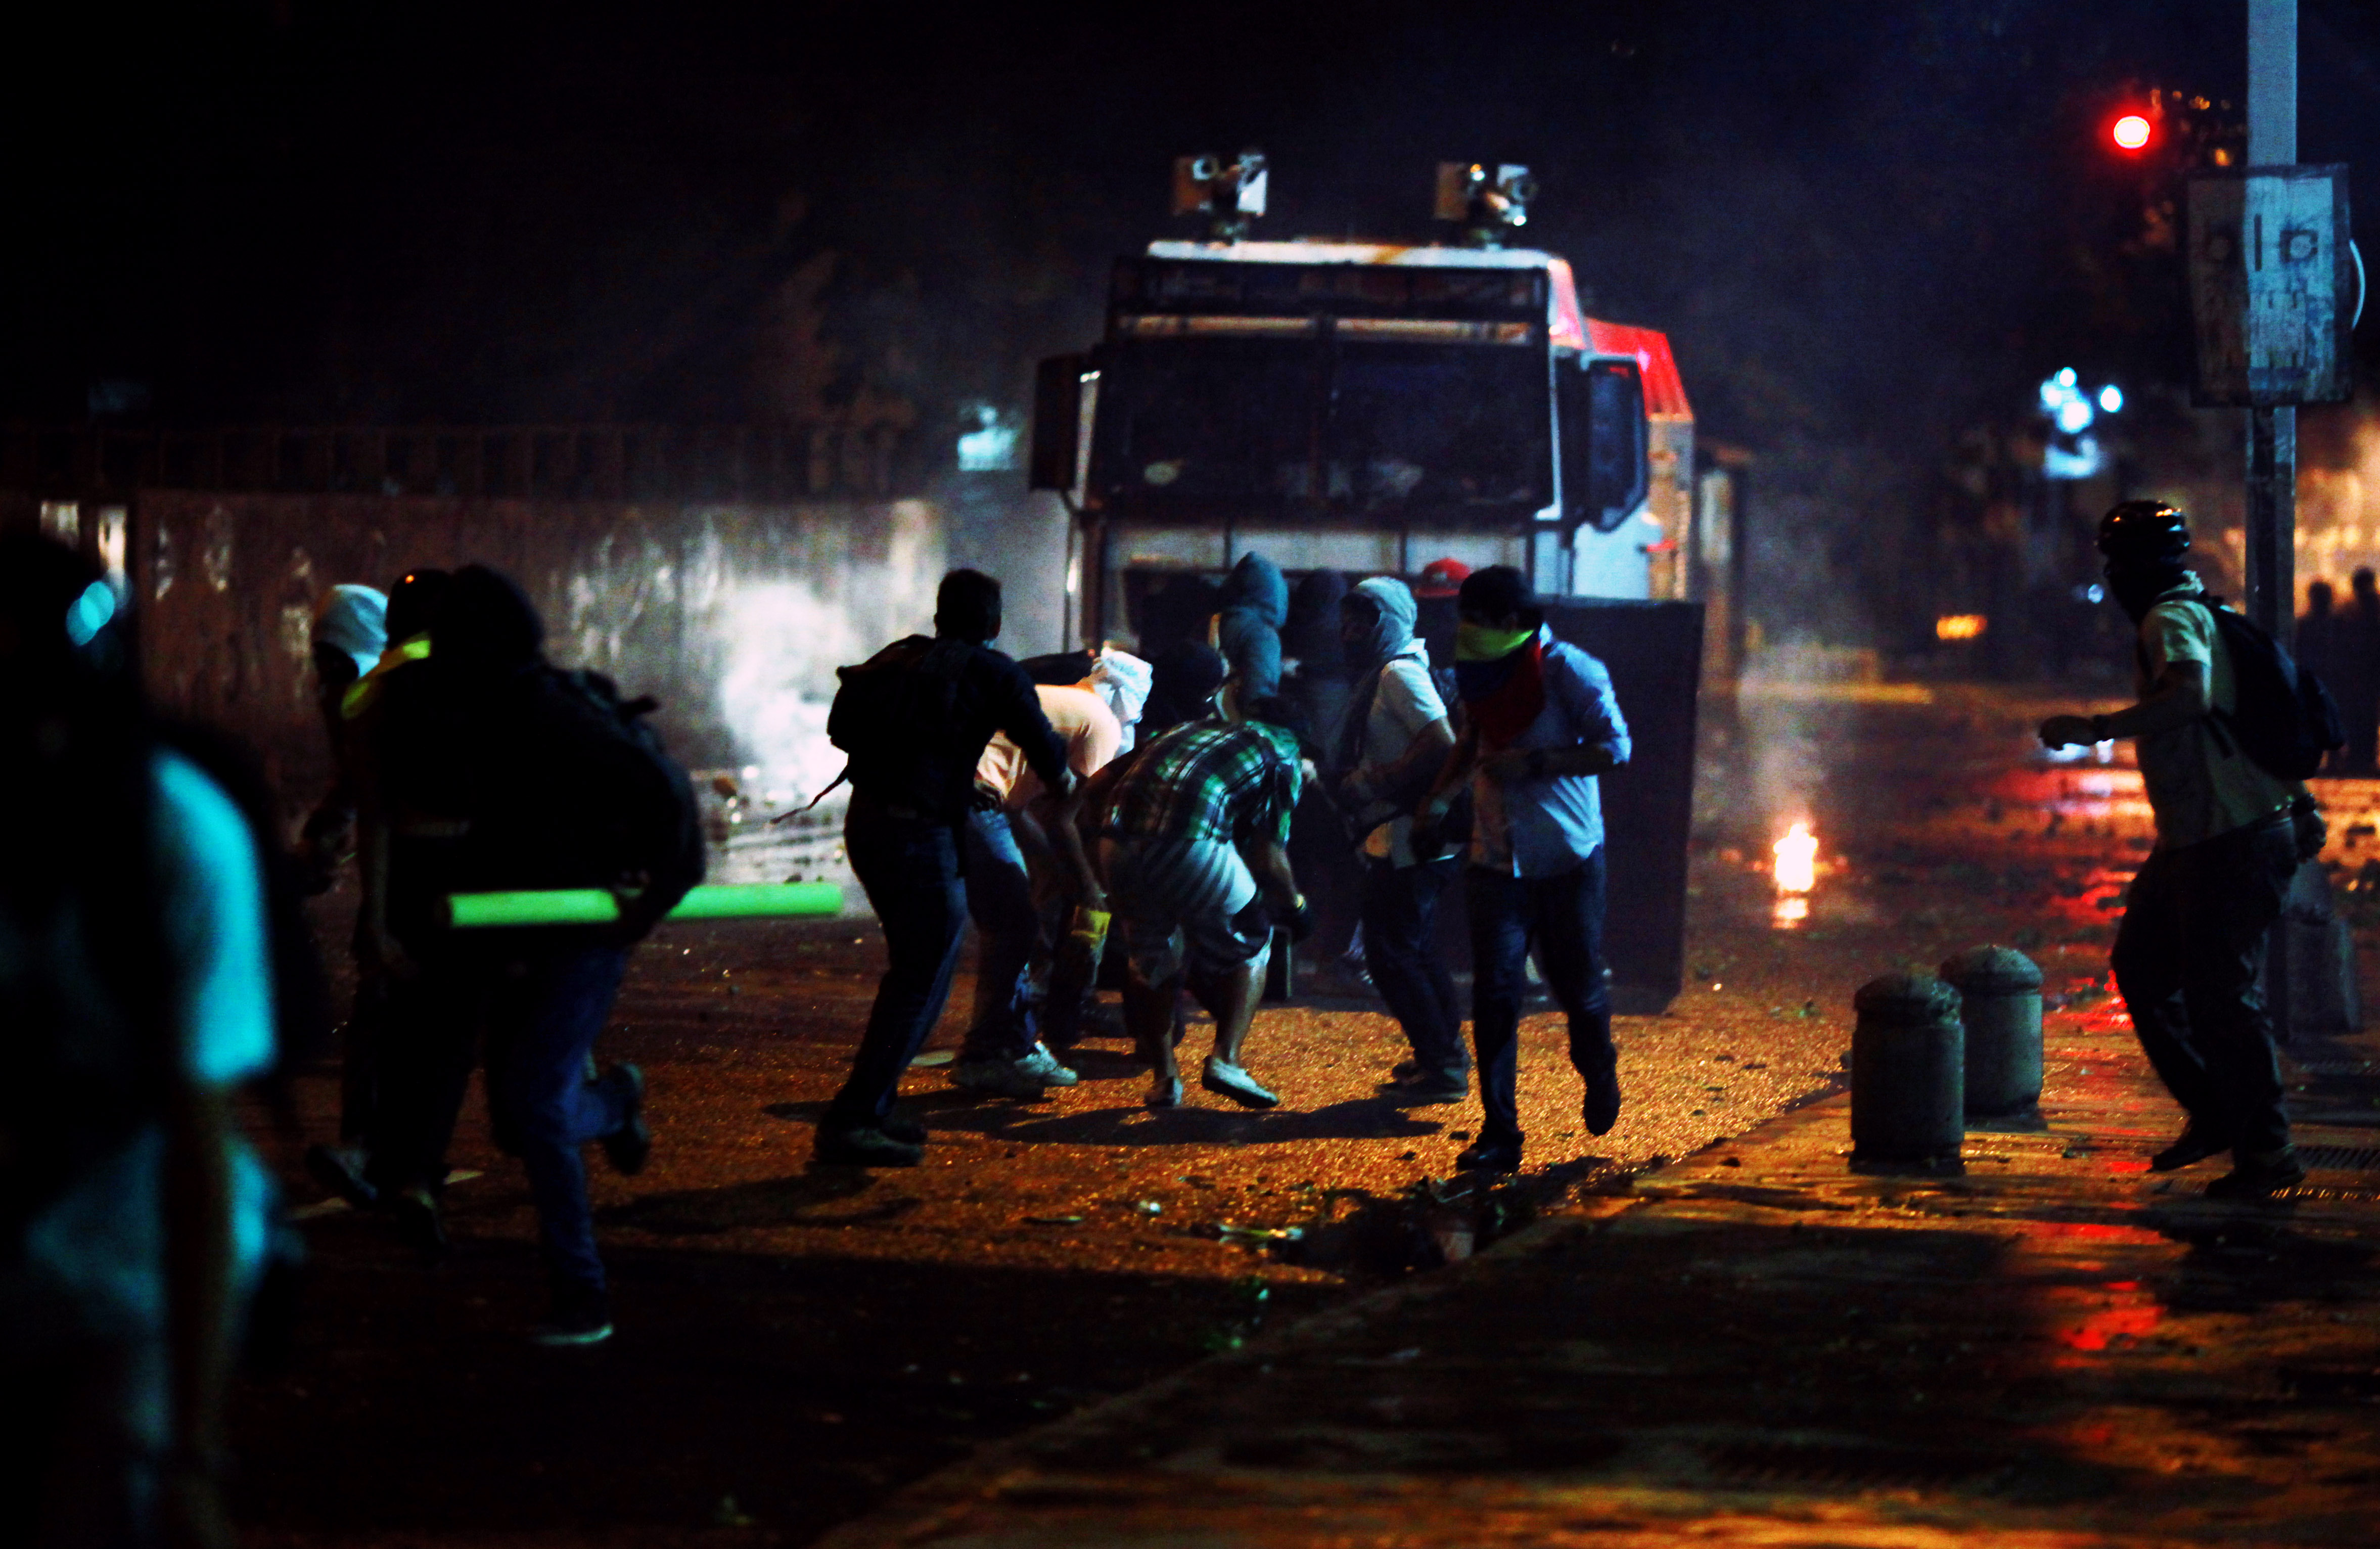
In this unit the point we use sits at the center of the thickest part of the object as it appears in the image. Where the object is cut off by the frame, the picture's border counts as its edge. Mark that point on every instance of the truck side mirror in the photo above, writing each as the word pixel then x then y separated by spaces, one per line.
pixel 1606 441
pixel 1057 422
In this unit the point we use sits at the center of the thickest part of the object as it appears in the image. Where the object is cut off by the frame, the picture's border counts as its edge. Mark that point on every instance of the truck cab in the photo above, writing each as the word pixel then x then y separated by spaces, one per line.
pixel 1361 407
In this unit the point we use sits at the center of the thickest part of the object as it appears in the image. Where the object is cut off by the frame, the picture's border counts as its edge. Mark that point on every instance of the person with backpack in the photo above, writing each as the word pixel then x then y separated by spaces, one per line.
pixel 1394 742
pixel 143 930
pixel 1539 722
pixel 535 778
pixel 2225 730
pixel 913 720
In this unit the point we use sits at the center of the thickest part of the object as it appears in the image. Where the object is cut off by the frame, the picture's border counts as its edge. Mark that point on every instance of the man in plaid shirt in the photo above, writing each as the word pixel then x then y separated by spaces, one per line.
pixel 1195 848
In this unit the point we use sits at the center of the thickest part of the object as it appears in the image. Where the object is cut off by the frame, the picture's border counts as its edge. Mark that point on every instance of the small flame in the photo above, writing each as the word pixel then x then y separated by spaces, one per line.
pixel 1960 627
pixel 1797 860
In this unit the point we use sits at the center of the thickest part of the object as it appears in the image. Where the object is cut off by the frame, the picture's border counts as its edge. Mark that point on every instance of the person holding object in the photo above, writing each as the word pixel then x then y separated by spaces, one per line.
pixel 914 720
pixel 460 735
pixel 1394 741
pixel 1538 723
pixel 1195 850
pixel 2230 835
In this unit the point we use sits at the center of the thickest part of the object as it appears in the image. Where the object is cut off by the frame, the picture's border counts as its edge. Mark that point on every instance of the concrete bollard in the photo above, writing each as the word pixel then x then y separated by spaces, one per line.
pixel 1909 1074
pixel 1999 1005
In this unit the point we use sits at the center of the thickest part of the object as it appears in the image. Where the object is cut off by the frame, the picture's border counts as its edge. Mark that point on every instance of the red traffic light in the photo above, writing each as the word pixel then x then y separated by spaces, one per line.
pixel 2131 133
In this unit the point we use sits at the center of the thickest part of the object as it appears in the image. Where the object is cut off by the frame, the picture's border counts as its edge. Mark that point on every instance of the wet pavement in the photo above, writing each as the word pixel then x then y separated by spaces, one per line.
pixel 1752 1338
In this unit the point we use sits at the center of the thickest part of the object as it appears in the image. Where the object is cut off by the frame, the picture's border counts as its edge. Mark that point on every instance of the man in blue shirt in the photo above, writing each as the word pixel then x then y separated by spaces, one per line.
pixel 1538 724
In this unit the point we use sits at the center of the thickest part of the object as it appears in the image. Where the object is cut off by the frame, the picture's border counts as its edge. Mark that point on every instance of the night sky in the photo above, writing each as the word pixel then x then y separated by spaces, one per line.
pixel 1866 227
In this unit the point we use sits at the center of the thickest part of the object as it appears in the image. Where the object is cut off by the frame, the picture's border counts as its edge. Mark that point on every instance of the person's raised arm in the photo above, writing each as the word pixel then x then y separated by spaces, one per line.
pixel 2178 696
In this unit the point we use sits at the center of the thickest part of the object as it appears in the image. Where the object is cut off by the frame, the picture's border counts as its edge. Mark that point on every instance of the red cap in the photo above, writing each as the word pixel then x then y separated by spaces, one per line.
pixel 1441 577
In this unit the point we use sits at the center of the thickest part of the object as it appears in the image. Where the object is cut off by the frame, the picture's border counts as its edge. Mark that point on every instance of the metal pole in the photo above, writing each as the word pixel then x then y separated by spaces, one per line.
pixel 2273 430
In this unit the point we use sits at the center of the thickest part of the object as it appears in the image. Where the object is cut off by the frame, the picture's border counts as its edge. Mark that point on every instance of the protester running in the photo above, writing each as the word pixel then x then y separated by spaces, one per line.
pixel 914 720
pixel 2230 835
pixel 1539 722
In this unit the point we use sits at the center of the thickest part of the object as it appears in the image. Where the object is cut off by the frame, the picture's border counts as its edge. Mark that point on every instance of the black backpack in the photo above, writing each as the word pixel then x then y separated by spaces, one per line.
pixel 892 718
pixel 582 792
pixel 2285 719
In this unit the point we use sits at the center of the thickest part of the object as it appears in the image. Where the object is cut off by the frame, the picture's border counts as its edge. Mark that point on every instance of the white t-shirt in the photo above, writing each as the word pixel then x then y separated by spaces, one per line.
pixel 1405 702
pixel 104 1240
pixel 1083 722
pixel 2199 783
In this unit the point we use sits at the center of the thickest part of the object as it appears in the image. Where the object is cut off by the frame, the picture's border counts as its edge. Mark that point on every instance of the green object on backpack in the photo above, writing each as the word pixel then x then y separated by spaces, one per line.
pixel 596 906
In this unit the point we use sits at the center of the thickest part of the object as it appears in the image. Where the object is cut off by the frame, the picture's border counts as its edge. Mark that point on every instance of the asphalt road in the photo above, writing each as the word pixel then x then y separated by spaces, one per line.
pixel 796 1342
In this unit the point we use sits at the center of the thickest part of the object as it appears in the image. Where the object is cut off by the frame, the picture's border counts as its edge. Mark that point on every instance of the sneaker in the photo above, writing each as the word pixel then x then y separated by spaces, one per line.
pixel 1601 1109
pixel 1041 1063
pixel 1164 1091
pixel 420 1224
pixel 998 1078
pixel 865 1146
pixel 630 1146
pixel 1429 1086
pixel 905 1128
pixel 580 1316
pixel 1227 1080
pixel 2256 1178
pixel 2196 1143
pixel 340 1172
pixel 1490 1156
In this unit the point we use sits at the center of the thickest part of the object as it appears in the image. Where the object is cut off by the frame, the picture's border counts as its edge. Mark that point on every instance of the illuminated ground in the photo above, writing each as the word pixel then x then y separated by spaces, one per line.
pixel 796 1345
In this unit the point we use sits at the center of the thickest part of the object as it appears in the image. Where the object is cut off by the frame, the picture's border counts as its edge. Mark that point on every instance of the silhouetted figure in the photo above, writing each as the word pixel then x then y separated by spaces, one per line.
pixel 2230 836
pixel 2357 686
pixel 2317 648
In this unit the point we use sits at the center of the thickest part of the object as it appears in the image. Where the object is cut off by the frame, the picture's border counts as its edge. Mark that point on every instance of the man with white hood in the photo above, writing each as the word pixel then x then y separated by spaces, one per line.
pixel 1391 745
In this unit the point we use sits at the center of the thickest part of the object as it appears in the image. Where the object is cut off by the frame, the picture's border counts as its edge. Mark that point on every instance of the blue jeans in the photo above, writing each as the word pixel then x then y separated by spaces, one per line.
pixel 910 869
pixel 1007 926
pixel 545 1008
pixel 1400 914
pixel 1564 915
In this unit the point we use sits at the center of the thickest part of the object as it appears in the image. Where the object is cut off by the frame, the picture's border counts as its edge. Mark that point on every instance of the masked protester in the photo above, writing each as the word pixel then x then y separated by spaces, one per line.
pixel 1539 722
pixel 2229 837
pixel 1391 747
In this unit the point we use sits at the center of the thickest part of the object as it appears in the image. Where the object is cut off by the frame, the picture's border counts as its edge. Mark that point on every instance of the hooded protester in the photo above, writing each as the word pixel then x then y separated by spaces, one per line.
pixel 525 778
pixel 1183 681
pixel 2230 835
pixel 1539 724
pixel 1395 741
pixel 1123 681
pixel 1247 627
pixel 350 632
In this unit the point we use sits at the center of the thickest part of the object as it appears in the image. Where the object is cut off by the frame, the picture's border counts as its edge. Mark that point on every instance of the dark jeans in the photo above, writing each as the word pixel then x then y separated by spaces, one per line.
pixel 2186 960
pixel 542 998
pixel 1400 915
pixel 910 869
pixel 1563 916
pixel 545 1006
pixel 1007 927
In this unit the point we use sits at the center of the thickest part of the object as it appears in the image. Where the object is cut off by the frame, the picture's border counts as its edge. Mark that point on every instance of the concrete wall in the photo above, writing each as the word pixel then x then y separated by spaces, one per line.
pixel 734 616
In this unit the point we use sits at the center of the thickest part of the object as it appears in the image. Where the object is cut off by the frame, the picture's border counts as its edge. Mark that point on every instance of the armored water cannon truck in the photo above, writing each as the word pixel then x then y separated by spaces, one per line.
pixel 1374 409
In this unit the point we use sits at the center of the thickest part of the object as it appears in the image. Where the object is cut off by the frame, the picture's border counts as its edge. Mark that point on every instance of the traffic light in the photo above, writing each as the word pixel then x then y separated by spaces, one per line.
pixel 2131 133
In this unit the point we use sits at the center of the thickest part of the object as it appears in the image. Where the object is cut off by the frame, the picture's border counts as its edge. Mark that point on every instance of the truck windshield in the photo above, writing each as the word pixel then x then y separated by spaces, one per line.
pixel 1372 427
pixel 1439 425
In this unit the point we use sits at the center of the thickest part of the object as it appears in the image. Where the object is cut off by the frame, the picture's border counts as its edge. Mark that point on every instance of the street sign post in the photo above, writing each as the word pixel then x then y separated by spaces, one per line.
pixel 2272 286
